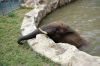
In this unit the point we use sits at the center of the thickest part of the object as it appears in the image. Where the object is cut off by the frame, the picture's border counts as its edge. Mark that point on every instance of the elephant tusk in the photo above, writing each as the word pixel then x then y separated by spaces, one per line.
pixel 43 31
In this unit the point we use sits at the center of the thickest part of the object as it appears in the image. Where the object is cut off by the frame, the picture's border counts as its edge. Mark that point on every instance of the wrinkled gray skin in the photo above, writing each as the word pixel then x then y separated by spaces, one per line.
pixel 59 32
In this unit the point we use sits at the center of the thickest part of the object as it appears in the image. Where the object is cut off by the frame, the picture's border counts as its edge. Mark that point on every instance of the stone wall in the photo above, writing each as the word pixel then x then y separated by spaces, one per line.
pixel 62 53
pixel 33 3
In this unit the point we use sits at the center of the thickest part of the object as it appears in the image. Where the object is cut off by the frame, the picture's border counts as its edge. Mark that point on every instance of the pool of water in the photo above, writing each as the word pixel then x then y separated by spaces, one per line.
pixel 83 16
pixel 8 6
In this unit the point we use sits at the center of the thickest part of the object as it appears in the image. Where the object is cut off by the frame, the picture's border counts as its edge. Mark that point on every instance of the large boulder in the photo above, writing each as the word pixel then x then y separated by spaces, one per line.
pixel 35 3
pixel 62 53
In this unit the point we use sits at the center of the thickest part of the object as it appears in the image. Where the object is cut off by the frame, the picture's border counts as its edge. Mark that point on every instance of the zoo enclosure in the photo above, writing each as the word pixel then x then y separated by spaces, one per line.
pixel 8 6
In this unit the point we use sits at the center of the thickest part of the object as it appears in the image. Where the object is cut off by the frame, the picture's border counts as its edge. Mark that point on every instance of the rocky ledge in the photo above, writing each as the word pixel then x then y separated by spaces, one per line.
pixel 62 53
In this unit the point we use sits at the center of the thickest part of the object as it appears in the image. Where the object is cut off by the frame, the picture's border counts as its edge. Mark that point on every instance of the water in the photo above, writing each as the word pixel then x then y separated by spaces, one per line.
pixel 8 6
pixel 83 16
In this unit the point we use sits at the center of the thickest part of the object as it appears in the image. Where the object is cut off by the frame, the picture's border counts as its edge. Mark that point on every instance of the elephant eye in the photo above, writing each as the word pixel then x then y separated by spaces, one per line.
pixel 57 31
pixel 69 33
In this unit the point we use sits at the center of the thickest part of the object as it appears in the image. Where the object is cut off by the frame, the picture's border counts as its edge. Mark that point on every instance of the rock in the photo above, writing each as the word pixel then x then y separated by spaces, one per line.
pixel 33 3
pixel 55 3
pixel 28 3
pixel 62 2
pixel 63 53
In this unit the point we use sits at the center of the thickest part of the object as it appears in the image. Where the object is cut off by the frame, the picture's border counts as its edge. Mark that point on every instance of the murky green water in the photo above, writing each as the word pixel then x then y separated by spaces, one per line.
pixel 84 16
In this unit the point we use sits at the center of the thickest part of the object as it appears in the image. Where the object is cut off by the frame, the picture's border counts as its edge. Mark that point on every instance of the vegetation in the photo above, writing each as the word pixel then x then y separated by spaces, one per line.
pixel 11 54
pixel 11 14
